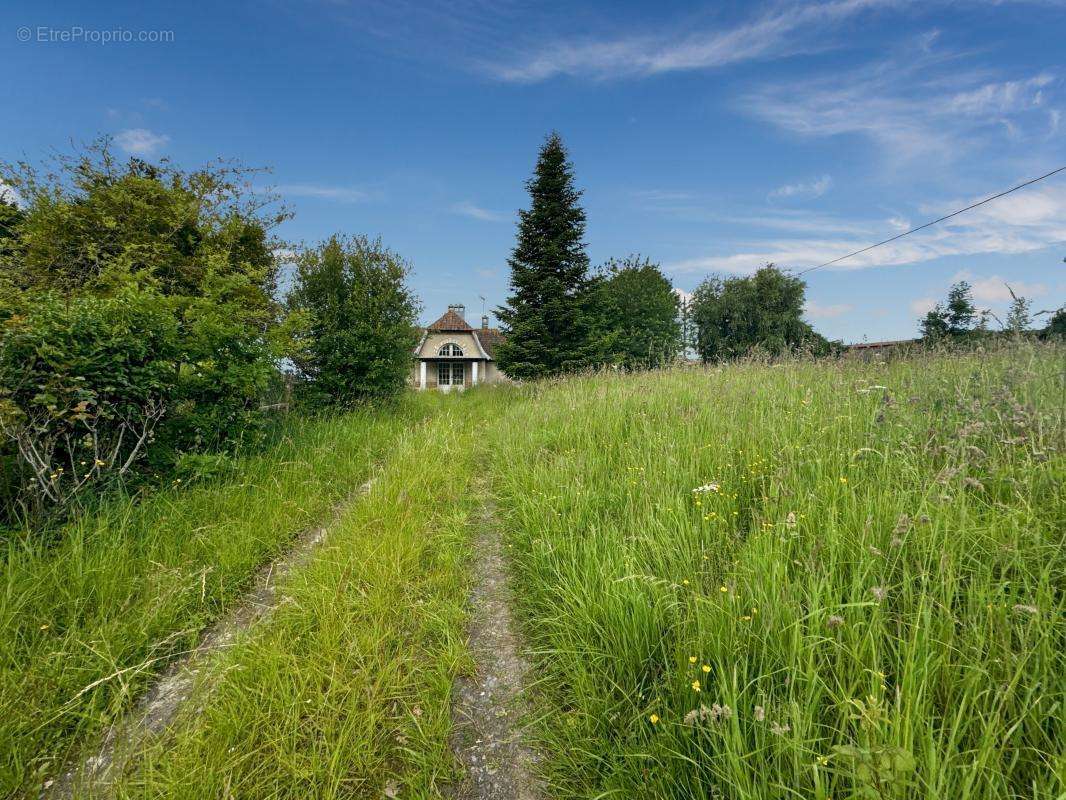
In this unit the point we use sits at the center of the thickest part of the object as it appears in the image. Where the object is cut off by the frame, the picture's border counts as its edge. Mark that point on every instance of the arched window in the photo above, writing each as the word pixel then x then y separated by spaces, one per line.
pixel 450 349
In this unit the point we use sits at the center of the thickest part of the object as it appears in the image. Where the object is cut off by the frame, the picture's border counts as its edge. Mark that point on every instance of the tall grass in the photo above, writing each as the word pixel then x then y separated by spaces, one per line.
pixel 131 585
pixel 808 580
pixel 344 691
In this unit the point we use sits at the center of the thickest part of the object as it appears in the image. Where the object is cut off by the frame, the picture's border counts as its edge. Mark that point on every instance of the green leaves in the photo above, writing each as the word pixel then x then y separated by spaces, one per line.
pixel 879 773
pixel 638 308
pixel 736 316
pixel 352 321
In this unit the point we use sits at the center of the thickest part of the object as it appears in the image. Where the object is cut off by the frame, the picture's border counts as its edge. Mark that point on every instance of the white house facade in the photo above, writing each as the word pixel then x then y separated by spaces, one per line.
pixel 452 354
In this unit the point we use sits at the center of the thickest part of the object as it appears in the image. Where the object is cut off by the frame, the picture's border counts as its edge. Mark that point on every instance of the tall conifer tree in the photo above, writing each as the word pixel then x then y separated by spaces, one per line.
pixel 548 318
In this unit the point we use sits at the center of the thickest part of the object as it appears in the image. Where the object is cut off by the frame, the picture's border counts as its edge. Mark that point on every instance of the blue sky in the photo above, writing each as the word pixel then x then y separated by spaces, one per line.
pixel 710 137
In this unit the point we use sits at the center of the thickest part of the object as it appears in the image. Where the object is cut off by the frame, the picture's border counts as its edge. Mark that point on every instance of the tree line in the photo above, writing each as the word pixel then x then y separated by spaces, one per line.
pixel 561 316
pixel 142 332
pixel 958 319
pixel 152 319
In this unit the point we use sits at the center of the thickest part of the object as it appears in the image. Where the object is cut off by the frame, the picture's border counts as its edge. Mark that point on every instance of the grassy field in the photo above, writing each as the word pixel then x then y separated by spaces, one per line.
pixel 805 580
pixel 345 691
pixel 809 580
pixel 131 585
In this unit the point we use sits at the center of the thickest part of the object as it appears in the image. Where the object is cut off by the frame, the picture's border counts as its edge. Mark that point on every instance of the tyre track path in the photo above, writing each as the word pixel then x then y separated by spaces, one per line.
pixel 93 774
pixel 487 708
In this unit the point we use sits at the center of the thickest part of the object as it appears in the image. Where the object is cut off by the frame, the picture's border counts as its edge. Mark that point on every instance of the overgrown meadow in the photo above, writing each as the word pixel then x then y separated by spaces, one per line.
pixel 812 579
pixel 803 580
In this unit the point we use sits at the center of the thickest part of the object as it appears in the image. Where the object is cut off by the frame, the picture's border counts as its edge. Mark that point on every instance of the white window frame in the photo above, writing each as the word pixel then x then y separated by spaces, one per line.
pixel 450 350
pixel 448 371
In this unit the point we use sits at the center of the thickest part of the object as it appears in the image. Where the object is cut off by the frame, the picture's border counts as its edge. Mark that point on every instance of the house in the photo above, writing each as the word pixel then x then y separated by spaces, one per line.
pixel 452 354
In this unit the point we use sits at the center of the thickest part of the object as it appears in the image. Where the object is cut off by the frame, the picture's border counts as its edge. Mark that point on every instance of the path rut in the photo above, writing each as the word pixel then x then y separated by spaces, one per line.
pixel 154 713
pixel 487 708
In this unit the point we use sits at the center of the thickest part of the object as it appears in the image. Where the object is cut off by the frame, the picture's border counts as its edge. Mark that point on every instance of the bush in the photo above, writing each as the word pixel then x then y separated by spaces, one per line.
pixel 140 311
pixel 354 321
pixel 83 384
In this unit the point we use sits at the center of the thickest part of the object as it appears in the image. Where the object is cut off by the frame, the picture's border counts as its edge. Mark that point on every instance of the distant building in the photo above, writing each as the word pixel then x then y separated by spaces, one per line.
pixel 879 349
pixel 452 354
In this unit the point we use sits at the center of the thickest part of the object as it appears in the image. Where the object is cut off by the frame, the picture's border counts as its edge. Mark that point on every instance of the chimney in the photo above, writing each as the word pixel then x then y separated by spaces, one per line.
pixel 458 308
pixel 484 322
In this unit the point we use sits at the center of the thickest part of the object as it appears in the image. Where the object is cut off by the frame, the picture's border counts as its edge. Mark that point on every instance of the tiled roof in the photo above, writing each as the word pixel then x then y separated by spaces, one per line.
pixel 450 322
pixel 489 338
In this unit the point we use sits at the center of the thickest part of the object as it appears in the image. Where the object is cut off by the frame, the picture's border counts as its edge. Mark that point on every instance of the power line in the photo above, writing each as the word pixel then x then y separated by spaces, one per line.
pixel 935 221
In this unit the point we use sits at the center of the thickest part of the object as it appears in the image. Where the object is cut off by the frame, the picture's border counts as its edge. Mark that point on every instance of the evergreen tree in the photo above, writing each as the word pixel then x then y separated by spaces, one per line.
pixel 954 318
pixel 935 323
pixel 549 319
pixel 1056 326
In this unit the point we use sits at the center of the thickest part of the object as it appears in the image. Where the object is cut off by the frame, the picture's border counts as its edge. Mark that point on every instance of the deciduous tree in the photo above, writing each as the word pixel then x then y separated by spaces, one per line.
pixel 734 316
pixel 357 334
pixel 640 313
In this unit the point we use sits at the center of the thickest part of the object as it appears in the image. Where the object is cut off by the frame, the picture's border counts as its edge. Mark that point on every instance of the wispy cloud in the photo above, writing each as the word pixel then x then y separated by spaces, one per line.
pixel 919 103
pixel 921 306
pixel 993 288
pixel 778 33
pixel 816 310
pixel 337 194
pixel 1024 222
pixel 469 209
pixel 815 188
pixel 141 141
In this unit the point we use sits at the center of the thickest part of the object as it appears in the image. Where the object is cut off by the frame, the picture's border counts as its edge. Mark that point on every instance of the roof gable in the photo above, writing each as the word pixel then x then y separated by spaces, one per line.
pixel 450 322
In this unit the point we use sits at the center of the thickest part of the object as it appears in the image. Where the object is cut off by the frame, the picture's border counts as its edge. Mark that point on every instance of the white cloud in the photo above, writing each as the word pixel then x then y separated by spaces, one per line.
pixel 1030 220
pixel 993 288
pixel 913 104
pixel 818 311
pixel 780 33
pixel 141 141
pixel 814 188
pixel 8 194
pixel 486 273
pixel 469 209
pixel 922 306
pixel 338 194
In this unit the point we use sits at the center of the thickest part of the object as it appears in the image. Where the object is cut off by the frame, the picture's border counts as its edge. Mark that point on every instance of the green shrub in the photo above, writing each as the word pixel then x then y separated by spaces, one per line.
pixel 354 321
pixel 83 384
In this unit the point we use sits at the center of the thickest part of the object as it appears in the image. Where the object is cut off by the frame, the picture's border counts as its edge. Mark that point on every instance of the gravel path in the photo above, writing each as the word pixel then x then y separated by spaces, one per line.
pixel 158 708
pixel 488 707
